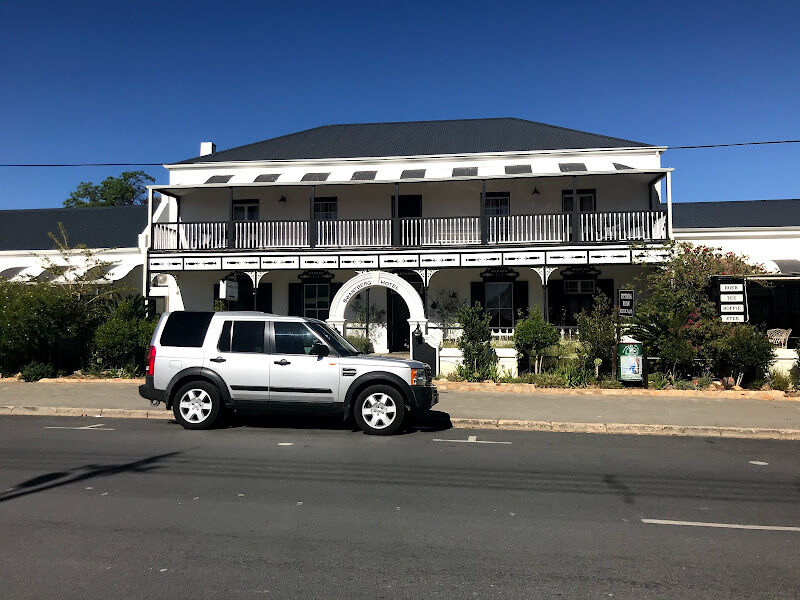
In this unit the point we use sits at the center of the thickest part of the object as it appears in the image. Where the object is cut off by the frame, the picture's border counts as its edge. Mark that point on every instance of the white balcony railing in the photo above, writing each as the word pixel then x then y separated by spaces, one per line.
pixel 444 231
pixel 510 229
pixel 362 232
pixel 611 227
pixel 623 226
pixel 270 234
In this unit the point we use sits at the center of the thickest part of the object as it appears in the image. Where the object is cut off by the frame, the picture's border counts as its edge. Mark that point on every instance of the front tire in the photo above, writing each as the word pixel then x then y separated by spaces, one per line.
pixel 379 410
pixel 197 405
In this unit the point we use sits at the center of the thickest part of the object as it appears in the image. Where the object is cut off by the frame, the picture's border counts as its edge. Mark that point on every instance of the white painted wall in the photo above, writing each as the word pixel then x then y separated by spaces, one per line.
pixel 759 244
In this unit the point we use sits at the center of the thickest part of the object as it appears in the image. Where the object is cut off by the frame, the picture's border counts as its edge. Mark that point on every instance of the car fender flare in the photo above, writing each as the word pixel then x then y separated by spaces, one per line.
pixel 377 378
pixel 197 373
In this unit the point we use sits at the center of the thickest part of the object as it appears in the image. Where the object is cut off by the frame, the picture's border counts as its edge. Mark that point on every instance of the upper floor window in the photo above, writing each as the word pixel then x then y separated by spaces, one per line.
pixel 586 201
pixel 325 208
pixel 245 210
pixel 497 204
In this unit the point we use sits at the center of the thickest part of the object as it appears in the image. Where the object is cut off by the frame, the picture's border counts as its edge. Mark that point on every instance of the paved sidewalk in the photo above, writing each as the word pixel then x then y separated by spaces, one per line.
pixel 539 411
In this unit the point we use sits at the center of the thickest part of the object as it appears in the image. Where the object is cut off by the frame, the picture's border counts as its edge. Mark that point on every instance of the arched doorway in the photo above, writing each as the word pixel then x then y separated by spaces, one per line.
pixel 397 313
pixel 395 283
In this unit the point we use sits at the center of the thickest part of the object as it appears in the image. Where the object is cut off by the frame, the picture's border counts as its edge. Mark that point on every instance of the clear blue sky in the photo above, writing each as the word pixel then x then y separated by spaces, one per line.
pixel 148 81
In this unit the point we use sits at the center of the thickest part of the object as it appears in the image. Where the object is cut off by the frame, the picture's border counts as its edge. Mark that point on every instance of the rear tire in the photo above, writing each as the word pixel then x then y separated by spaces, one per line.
pixel 379 410
pixel 197 405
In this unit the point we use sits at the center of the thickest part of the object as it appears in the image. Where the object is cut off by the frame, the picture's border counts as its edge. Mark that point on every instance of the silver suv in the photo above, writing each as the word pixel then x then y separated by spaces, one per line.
pixel 202 364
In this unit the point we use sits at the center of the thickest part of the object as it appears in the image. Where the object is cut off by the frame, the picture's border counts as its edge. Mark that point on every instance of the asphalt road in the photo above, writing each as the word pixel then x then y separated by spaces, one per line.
pixel 144 509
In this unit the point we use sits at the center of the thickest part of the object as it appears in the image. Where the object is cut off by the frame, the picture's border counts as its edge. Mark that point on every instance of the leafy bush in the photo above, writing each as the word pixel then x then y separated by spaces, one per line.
pixel 608 383
pixel 658 381
pixel 794 374
pixel 551 380
pixel 532 335
pixel 34 371
pixel 778 380
pixel 361 344
pixel 597 332
pixel 475 343
pixel 122 340
pixel 683 384
pixel 743 350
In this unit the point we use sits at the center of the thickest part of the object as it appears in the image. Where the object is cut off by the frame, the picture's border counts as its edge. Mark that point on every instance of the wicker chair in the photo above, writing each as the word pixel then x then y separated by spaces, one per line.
pixel 779 337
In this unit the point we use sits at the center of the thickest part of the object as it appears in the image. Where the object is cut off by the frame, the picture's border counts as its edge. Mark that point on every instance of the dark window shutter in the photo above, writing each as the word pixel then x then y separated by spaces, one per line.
pixel 295 299
pixel 555 301
pixel 264 297
pixel 333 289
pixel 520 298
pixel 477 293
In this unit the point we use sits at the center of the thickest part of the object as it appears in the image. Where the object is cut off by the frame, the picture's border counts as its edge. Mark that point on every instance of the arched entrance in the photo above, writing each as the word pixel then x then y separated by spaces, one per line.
pixel 395 283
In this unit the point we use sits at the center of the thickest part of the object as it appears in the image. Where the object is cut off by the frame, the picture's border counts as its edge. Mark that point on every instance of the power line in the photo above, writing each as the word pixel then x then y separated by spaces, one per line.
pixel 160 164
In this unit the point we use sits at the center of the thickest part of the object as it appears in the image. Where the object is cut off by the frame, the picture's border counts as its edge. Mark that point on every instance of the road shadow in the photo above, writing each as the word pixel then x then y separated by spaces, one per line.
pixel 49 481
pixel 429 421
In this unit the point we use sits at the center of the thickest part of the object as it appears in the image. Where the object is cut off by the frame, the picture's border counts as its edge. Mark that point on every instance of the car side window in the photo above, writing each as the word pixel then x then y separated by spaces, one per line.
pixel 293 338
pixel 242 336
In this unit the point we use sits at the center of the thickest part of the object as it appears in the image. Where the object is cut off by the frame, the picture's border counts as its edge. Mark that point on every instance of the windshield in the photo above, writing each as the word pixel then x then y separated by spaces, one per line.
pixel 334 338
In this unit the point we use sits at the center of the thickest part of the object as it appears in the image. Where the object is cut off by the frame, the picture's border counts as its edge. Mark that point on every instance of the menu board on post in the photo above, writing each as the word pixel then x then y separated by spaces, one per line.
pixel 732 303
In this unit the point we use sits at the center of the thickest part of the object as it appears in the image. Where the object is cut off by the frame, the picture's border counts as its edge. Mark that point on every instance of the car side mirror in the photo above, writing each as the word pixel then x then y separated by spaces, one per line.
pixel 319 349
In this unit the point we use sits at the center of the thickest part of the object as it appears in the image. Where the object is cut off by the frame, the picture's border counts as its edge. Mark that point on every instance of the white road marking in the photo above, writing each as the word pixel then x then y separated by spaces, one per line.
pixel 472 439
pixel 285 444
pixel 759 463
pixel 97 427
pixel 720 525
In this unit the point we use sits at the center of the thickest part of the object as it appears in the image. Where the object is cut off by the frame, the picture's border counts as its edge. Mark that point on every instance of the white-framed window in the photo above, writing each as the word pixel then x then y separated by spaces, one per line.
pixel 587 201
pixel 245 210
pixel 580 286
pixel 325 208
pixel 316 300
pixel 500 303
pixel 497 204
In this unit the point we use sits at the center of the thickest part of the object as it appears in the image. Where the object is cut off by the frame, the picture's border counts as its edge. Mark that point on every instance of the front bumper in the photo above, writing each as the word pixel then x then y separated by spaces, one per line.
pixel 425 396
pixel 148 391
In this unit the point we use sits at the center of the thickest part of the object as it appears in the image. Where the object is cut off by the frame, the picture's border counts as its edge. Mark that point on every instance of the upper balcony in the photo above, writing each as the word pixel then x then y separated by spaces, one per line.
pixel 584 209
pixel 556 228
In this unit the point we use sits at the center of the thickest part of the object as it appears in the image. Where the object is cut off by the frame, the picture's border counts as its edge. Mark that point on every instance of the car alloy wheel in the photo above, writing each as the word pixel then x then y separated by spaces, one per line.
pixel 378 410
pixel 195 405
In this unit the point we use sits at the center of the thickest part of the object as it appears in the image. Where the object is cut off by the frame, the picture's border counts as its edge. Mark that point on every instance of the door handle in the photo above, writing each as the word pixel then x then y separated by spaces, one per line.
pixel 219 359
pixel 282 362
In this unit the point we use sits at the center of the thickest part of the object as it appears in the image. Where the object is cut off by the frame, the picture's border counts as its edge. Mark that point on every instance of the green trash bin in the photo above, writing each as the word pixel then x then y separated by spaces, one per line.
pixel 630 360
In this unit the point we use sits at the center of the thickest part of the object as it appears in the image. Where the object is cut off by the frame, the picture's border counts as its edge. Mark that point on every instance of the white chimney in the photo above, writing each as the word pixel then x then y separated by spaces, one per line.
pixel 207 148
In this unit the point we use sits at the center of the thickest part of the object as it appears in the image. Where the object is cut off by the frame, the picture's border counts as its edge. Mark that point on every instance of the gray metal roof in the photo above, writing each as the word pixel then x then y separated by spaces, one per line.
pixel 100 227
pixel 741 213
pixel 413 138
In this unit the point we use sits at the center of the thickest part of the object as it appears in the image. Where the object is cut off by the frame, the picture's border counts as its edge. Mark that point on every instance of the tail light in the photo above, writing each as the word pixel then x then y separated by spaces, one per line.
pixel 151 361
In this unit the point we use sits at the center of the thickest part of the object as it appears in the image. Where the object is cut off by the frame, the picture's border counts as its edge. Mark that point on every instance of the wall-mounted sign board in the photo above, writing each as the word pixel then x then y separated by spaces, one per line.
pixel 731 293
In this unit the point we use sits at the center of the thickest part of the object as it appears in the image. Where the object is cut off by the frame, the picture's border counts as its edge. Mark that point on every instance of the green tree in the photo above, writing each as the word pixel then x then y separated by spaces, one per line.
pixel 360 314
pixel 121 341
pixel 478 357
pixel 445 304
pixel 597 332
pixel 128 188
pixel 532 335
pixel 743 350
pixel 678 321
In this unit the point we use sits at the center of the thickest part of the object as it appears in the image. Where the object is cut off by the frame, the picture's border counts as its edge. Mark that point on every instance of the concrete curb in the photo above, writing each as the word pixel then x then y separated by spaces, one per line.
pixel 67 411
pixel 528 388
pixel 760 433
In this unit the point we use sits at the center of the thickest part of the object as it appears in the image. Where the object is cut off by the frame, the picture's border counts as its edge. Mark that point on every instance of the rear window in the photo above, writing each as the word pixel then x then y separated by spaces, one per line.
pixel 186 329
